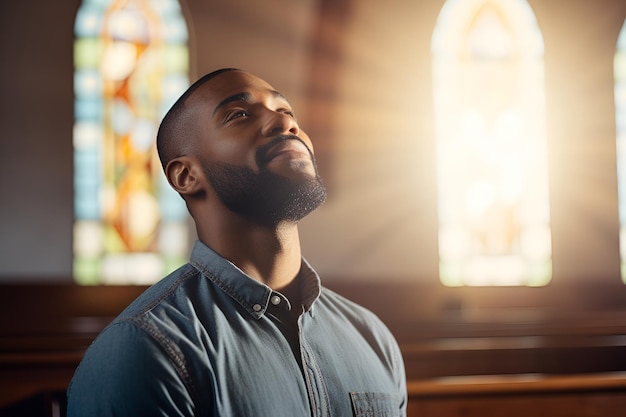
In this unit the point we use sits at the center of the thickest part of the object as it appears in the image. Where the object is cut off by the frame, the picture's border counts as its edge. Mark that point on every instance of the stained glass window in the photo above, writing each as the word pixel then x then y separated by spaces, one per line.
pixel 488 77
pixel 620 120
pixel 131 63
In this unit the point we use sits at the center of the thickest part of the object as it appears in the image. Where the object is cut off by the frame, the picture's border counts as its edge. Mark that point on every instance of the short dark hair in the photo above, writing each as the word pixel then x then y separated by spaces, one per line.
pixel 172 136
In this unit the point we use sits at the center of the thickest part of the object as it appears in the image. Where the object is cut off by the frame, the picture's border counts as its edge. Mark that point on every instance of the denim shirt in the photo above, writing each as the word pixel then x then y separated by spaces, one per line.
pixel 209 340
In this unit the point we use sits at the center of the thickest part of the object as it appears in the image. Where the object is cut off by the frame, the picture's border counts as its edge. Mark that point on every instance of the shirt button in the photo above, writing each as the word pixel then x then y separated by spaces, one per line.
pixel 257 307
pixel 275 300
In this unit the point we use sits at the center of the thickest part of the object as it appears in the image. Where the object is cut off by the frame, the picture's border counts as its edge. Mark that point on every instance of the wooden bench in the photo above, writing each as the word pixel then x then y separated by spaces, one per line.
pixel 568 363
pixel 587 395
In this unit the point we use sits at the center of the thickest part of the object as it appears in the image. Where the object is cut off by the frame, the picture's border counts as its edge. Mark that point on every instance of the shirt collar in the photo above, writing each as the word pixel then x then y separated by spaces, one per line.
pixel 251 294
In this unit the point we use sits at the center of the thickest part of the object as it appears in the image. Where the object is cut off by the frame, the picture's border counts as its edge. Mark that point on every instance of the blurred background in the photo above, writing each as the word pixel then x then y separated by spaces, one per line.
pixel 472 151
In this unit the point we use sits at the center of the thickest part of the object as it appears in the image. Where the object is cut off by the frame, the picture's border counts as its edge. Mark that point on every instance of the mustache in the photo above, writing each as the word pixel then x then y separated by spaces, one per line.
pixel 261 152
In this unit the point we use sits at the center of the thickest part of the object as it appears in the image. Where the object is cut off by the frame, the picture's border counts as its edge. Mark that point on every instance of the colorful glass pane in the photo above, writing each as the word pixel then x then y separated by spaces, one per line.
pixel 494 226
pixel 131 63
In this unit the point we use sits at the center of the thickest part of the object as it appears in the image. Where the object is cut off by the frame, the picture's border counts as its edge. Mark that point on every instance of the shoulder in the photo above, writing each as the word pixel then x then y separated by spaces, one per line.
pixel 338 306
pixel 140 354
pixel 160 322
pixel 150 327
pixel 130 336
pixel 164 292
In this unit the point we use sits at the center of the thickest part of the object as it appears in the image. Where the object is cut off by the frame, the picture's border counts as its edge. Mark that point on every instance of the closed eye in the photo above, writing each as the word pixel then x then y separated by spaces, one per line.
pixel 288 112
pixel 237 114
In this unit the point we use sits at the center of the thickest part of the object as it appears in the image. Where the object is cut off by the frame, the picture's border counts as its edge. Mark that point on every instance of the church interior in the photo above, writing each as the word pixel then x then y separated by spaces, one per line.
pixel 377 91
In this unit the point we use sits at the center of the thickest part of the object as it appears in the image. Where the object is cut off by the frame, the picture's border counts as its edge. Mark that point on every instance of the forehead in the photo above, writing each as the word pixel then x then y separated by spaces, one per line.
pixel 229 84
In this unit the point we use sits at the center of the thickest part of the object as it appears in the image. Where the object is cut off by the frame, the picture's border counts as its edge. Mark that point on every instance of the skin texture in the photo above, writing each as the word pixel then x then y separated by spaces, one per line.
pixel 238 121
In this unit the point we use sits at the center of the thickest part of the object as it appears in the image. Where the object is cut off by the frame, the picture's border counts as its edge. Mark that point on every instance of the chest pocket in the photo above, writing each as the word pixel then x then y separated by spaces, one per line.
pixel 375 404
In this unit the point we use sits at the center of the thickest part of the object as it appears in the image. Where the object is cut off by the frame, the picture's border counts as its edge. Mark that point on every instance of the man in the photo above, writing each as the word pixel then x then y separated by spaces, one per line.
pixel 243 329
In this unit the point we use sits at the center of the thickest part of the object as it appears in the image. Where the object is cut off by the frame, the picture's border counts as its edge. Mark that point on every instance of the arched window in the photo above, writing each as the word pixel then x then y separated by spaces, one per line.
pixel 620 120
pixel 488 77
pixel 131 63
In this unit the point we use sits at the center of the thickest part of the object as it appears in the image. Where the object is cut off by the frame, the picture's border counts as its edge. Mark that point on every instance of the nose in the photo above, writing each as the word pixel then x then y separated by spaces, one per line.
pixel 280 123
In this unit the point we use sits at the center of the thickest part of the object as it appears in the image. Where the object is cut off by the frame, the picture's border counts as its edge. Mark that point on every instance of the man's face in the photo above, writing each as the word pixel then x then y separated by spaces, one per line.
pixel 253 153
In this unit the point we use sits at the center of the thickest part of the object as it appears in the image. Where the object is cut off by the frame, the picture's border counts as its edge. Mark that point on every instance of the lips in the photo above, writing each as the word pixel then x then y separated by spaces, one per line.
pixel 290 146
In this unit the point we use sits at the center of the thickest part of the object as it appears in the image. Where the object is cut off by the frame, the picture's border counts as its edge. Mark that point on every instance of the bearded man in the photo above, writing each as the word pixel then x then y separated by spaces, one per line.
pixel 245 328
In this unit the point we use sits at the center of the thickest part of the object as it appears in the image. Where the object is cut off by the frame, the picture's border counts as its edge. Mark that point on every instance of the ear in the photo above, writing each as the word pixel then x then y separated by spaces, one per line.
pixel 185 175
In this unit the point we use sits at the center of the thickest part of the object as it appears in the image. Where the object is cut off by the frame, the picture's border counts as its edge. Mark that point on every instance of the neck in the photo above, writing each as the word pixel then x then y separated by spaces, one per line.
pixel 271 255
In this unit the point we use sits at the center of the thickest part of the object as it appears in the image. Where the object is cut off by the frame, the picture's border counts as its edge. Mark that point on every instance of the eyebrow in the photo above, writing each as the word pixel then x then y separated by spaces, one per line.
pixel 244 96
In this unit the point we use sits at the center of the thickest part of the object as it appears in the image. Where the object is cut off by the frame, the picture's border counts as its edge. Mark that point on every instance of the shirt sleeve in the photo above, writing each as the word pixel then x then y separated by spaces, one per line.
pixel 127 372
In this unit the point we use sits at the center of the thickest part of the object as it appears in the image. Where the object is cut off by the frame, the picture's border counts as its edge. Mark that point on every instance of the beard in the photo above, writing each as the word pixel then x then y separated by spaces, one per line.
pixel 265 198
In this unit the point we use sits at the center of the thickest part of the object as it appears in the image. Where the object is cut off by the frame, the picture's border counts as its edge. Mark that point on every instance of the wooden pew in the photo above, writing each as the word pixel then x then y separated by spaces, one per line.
pixel 564 361
pixel 585 395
